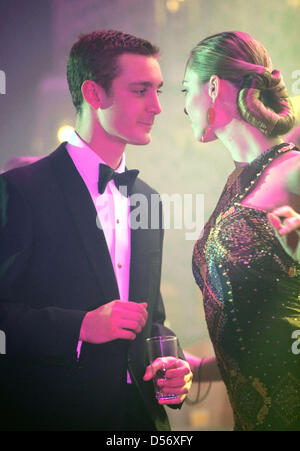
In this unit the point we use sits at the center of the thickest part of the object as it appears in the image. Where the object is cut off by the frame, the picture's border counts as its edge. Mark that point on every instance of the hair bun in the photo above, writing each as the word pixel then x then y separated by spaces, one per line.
pixel 256 81
pixel 263 102
pixel 277 85
pixel 271 81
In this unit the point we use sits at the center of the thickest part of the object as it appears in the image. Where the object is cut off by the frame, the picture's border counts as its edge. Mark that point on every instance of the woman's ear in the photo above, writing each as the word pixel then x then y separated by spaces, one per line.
pixel 93 94
pixel 214 87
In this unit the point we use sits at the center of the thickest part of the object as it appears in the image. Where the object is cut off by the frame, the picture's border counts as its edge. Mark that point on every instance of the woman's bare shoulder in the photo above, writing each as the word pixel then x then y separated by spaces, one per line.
pixel 279 181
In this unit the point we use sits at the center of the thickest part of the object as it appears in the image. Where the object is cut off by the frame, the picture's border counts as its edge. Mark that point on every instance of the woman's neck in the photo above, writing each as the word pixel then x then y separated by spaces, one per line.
pixel 245 142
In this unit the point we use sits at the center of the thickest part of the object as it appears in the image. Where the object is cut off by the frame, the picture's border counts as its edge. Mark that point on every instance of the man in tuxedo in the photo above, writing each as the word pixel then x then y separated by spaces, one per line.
pixel 81 292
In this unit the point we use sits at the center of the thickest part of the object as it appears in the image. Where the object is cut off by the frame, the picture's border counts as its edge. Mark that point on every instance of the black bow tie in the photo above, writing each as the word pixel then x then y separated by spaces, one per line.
pixel 127 179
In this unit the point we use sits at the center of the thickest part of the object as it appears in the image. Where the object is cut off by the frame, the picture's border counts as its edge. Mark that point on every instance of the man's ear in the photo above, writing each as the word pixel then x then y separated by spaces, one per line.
pixel 93 94
pixel 214 87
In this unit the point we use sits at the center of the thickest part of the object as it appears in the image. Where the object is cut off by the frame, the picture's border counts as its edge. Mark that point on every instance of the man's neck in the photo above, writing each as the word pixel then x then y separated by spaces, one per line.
pixel 109 150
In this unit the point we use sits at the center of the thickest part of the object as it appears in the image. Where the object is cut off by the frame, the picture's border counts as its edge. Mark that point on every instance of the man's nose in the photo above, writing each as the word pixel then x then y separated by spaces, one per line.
pixel 154 105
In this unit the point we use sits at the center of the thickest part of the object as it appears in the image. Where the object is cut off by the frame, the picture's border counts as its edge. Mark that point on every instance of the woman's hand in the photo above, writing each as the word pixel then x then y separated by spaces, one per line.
pixel 285 220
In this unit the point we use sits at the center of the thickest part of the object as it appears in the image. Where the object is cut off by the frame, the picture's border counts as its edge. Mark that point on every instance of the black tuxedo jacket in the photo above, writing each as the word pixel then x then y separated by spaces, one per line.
pixel 55 267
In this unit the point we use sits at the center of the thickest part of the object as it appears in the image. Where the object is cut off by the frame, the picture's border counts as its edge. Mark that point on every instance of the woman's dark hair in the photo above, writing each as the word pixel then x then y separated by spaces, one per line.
pixel 235 56
pixel 95 57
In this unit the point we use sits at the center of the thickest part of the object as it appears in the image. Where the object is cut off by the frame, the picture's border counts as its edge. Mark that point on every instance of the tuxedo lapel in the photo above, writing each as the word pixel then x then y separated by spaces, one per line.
pixel 84 215
pixel 145 270
pixel 138 257
pixel 145 262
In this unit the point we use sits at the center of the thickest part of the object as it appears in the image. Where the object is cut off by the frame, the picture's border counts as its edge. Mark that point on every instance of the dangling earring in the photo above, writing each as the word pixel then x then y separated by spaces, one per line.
pixel 210 117
pixel 211 114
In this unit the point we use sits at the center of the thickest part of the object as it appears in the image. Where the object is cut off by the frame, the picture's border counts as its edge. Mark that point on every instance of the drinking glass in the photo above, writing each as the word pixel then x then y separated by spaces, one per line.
pixel 161 347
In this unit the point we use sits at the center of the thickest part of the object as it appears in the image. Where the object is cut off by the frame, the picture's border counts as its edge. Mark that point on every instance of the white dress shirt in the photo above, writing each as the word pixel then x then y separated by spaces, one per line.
pixel 112 211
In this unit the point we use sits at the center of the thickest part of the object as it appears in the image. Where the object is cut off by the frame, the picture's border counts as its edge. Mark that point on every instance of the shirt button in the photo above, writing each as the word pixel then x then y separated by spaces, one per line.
pixel 119 265
pixel 118 221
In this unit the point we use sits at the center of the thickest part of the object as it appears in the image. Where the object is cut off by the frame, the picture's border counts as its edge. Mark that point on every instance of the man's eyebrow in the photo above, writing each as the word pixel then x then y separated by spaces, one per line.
pixel 147 84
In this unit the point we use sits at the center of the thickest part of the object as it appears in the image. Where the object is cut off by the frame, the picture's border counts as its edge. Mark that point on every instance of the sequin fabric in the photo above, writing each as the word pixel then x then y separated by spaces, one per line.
pixel 251 295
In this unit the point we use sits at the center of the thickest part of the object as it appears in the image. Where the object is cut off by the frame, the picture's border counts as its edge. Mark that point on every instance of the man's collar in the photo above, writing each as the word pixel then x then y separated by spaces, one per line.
pixel 76 142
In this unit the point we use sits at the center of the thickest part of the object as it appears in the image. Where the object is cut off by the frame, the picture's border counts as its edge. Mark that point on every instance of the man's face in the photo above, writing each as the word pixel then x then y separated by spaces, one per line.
pixel 133 102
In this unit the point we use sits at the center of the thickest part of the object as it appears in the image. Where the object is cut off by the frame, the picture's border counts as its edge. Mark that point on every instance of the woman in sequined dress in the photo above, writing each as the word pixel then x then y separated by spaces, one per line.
pixel 247 270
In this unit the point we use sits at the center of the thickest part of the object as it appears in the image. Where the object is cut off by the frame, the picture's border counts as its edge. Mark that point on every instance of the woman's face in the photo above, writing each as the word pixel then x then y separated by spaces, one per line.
pixel 197 102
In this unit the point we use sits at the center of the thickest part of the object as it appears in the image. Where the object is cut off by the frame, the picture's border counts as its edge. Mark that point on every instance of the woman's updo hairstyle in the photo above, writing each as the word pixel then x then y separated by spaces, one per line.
pixel 235 56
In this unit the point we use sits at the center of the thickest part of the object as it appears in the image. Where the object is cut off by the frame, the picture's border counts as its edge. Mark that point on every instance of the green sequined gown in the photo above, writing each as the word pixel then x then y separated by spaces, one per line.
pixel 251 295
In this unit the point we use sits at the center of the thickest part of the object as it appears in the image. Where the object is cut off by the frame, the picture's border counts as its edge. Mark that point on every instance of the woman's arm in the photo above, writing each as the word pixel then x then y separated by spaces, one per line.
pixel 209 368
pixel 286 218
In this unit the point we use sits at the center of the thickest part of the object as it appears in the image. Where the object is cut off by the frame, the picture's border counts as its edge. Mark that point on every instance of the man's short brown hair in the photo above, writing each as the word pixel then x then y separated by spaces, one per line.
pixel 95 57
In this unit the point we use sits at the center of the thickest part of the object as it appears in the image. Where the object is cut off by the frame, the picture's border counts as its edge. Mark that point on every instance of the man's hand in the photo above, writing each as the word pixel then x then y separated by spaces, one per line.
pixel 178 378
pixel 289 223
pixel 117 319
